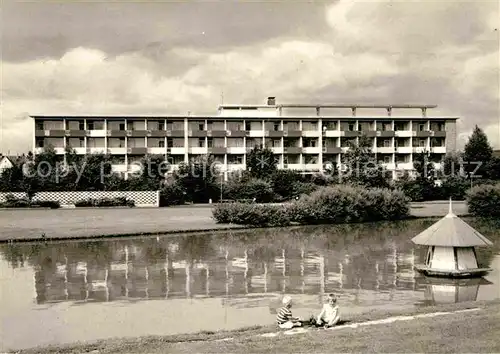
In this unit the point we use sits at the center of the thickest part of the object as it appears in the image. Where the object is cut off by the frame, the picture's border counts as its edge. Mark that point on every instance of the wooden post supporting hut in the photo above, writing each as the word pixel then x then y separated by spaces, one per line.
pixel 451 251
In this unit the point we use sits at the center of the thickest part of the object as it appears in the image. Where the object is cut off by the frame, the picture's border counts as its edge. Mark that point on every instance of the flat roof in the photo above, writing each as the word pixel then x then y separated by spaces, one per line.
pixel 221 117
pixel 327 105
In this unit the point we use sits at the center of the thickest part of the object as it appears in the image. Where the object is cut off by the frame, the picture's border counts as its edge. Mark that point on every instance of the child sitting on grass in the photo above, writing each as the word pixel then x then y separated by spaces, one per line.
pixel 330 314
pixel 284 318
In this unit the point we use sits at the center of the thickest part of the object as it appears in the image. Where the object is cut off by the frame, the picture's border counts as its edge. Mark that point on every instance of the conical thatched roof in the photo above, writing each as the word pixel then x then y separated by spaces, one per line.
pixel 451 231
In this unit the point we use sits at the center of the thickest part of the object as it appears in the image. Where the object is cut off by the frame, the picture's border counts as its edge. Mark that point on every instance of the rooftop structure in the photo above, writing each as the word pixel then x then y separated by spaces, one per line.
pixel 451 252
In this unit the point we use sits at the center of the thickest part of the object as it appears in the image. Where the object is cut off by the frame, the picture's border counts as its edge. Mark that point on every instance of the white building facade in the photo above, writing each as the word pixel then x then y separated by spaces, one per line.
pixel 304 137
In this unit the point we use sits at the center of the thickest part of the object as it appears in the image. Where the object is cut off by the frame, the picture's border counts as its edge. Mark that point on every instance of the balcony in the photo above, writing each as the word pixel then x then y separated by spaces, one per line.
pixel 117 133
pixel 119 167
pixel 176 150
pixel 198 133
pixel 331 133
pixel 332 150
pixel 420 149
pixel 137 150
pixel 404 150
pixel 423 134
pixel 311 133
pixel 217 150
pixel 439 134
pixel 350 133
pixel 198 150
pixel 157 133
pixel 255 133
pixel 294 166
pixel 236 150
pixel 235 167
pixel 156 150
pixel 391 166
pixel 312 167
pixel 217 133
pixel 292 133
pixel 176 133
pixel 96 133
pixel 137 133
pixel 292 150
pixel 79 150
pixel 386 133
pixel 438 149
pixel 236 133
pixel 385 150
pixel 96 150
pixel 117 150
pixel 277 150
pixel 58 133
pixel 311 150
pixel 274 133
pixel 404 165
pixel 404 133
pixel 76 133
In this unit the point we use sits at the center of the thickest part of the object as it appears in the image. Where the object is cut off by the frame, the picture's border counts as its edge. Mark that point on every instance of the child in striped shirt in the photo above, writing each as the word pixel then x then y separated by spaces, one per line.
pixel 284 318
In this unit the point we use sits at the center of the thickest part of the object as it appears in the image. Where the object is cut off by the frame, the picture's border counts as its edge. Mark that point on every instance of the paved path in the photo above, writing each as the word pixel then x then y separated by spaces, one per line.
pixel 26 224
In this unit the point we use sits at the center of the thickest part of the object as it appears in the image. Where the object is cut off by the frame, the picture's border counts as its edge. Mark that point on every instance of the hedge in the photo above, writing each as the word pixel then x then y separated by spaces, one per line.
pixel 484 200
pixel 13 202
pixel 327 205
pixel 105 202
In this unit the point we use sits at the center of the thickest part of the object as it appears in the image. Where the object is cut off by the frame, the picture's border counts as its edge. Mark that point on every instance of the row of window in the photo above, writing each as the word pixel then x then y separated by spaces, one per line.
pixel 241 125
pixel 238 142
pixel 296 159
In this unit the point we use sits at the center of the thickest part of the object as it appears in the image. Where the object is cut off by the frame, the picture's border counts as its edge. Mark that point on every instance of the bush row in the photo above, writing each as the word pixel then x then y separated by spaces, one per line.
pixel 13 202
pixel 105 202
pixel 484 200
pixel 336 204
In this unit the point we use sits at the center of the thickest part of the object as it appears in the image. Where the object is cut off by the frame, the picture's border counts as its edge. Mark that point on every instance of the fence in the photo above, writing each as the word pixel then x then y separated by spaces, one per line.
pixel 140 198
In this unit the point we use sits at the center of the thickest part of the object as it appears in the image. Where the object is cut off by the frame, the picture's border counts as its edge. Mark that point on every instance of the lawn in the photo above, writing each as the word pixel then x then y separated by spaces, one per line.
pixel 475 331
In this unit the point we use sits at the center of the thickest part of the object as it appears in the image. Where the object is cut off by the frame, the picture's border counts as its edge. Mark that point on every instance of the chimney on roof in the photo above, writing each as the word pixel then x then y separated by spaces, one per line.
pixel 271 101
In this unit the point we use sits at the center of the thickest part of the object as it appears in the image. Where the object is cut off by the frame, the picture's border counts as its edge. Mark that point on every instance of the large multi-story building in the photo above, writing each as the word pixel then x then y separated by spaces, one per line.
pixel 304 137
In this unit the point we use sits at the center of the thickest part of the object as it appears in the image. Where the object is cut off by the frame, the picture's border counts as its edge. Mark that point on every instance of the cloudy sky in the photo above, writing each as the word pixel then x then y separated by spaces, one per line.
pixel 162 57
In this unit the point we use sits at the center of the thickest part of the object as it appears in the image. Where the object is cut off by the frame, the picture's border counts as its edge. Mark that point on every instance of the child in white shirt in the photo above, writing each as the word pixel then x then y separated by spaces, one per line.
pixel 330 314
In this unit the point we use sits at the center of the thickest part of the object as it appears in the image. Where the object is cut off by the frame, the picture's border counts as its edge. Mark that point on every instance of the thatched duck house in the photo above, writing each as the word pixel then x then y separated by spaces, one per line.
pixel 451 251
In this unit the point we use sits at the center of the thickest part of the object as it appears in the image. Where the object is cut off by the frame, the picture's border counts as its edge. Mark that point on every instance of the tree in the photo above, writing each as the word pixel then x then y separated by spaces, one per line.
pixel 477 152
pixel 426 176
pixel 198 179
pixel 493 168
pixel 261 162
pixel 363 166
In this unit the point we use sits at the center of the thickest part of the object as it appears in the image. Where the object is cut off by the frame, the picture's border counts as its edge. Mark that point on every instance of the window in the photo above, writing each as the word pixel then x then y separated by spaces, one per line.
pixel 387 159
pixel 121 126
pixel 90 125
pixel 210 142
pixel 161 143
pixel 81 125
pixel 276 143
pixel 387 143
pixel 248 126
pixel 170 143
pixel 39 126
pixel 201 126
pixel 39 142
pixel 122 142
pixel 351 127
pixel 276 127
pixel 421 127
pixel 201 142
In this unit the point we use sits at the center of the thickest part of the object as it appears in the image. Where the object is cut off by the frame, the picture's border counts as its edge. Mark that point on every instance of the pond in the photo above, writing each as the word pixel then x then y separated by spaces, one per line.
pixel 71 291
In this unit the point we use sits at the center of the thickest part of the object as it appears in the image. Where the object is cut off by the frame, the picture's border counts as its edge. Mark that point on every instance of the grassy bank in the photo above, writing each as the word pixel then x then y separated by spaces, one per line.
pixel 94 223
pixel 462 332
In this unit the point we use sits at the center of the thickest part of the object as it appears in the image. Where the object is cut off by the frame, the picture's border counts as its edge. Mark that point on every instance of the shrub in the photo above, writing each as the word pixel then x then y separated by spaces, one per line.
pixel 252 214
pixel 455 188
pixel 52 204
pixel 172 194
pixel 259 189
pixel 105 202
pixel 484 200
pixel 337 204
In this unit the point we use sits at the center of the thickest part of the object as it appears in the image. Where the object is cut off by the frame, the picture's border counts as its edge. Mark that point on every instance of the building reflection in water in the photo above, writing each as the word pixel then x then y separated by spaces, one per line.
pixel 349 260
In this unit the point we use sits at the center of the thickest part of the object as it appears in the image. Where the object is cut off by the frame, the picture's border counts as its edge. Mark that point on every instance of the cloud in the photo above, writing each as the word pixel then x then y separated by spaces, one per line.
pixel 371 52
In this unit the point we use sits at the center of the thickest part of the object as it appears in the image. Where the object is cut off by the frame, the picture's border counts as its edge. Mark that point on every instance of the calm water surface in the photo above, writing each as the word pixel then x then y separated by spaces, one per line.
pixel 75 291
